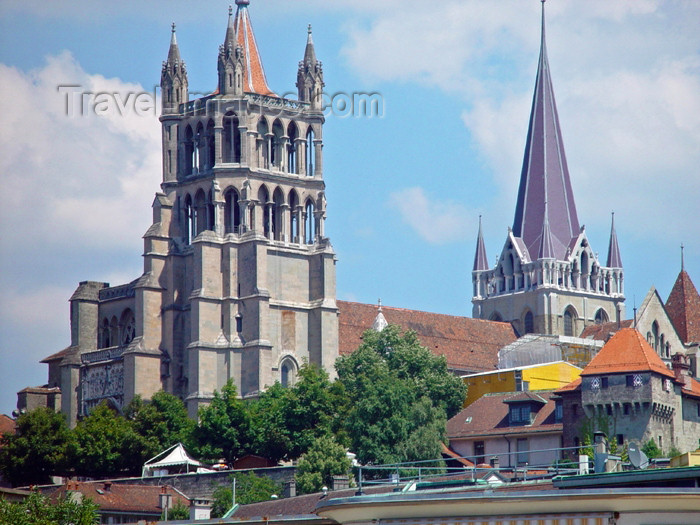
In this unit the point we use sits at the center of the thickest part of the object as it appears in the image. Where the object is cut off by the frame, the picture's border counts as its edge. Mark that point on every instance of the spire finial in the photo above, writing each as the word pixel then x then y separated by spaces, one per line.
pixel 230 10
pixel 242 2
pixel 173 27
pixel 379 304
pixel 309 29
pixel 682 257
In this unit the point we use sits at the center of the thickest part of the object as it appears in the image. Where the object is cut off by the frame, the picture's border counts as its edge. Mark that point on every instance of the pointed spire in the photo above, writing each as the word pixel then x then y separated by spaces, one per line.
pixel 174 51
pixel 545 186
pixel 682 257
pixel 230 38
pixel 310 52
pixel 614 258
pixel 379 321
pixel 480 260
pixel 683 306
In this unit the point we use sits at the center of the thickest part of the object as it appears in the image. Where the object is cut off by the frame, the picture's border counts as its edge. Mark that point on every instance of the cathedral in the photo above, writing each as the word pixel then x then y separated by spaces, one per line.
pixel 239 277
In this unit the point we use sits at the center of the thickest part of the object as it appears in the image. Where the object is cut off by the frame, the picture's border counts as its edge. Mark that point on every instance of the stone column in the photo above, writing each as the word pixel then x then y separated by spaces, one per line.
pixel 301 155
pixel 284 220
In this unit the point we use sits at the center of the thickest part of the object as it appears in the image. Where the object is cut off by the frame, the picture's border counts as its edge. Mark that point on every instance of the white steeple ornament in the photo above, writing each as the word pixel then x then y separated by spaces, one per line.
pixel 379 321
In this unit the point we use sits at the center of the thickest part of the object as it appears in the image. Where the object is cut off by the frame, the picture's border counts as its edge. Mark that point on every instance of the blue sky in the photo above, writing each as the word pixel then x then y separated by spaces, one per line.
pixel 404 190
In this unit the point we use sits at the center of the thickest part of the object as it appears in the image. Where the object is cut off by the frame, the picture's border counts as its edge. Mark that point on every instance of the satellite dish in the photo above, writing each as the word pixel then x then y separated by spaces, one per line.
pixel 638 458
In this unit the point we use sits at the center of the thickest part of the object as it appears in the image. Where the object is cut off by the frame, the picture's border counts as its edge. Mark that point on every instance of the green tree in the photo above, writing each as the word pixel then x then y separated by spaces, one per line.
pixel 224 429
pixel 324 459
pixel 179 511
pixel 651 449
pixel 37 450
pixel 161 422
pixel 249 489
pixel 107 445
pixel 272 439
pixel 399 398
pixel 38 510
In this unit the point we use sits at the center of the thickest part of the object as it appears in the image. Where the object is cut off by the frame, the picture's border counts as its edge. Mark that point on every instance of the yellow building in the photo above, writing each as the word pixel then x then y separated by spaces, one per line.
pixel 545 376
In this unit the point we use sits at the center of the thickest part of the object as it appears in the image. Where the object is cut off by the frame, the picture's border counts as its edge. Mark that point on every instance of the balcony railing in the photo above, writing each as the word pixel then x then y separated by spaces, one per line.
pixel 104 354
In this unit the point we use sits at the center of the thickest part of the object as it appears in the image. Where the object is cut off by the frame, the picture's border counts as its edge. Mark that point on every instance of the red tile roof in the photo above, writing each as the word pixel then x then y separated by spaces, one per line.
pixel 683 306
pixel 626 351
pixel 7 425
pixel 253 73
pixel 488 415
pixel 469 345
pixel 114 497
pixel 571 387
pixel 694 389
pixel 603 331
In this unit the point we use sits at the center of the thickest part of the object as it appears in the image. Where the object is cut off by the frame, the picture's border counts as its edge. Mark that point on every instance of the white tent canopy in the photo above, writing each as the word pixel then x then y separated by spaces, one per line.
pixel 175 456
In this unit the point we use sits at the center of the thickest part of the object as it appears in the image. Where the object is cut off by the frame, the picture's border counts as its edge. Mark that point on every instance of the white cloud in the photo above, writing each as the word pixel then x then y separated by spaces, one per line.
pixel 58 170
pixel 436 221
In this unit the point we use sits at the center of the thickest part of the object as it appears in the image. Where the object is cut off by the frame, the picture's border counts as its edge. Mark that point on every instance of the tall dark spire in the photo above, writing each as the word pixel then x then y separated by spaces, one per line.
pixel 310 52
pixel 480 260
pixel 614 258
pixel 545 187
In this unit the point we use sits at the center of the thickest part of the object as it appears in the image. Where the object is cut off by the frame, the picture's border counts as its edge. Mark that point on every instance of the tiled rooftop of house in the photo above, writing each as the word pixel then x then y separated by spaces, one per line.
pixel 488 415
pixel 469 345
pixel 115 497
pixel 626 351
pixel 7 425
pixel 604 331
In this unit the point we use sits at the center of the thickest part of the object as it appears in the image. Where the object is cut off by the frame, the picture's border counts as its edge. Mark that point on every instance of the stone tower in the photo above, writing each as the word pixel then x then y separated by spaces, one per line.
pixel 547 278
pixel 239 277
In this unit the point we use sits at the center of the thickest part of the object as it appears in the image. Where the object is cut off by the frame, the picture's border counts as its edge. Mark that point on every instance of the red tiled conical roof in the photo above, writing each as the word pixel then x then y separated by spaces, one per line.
pixel 627 351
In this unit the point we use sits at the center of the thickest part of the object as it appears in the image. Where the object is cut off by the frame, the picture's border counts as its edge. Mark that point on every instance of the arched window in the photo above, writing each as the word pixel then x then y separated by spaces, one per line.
pixel 569 317
pixel 310 152
pixel 277 202
pixel 200 149
pixel 655 335
pixel 105 340
pixel 128 327
pixel 265 207
pixel 232 212
pixel 294 216
pixel 263 144
pixel 584 263
pixel 276 145
pixel 309 222
pixel 189 220
pixel 200 213
pixel 113 331
pixel 529 322
pixel 211 150
pixel 601 316
pixel 288 372
pixel 232 139
pixel 189 151
pixel 292 148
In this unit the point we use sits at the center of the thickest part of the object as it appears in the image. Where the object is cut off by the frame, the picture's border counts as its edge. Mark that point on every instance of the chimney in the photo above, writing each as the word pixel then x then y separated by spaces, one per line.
pixel 200 509
pixel 681 369
pixel 495 462
pixel 108 486
pixel 290 488
pixel 340 483
pixel 165 500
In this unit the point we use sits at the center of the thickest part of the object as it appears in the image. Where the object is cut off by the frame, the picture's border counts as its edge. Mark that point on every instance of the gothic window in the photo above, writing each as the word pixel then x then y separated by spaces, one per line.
pixel 276 145
pixel 655 335
pixel 211 150
pixel 232 212
pixel 200 213
pixel 310 152
pixel 113 331
pixel 263 199
pixel 200 149
pixel 288 370
pixel 239 318
pixel 292 166
pixel 277 202
pixel 263 144
pixel 569 317
pixel 529 322
pixel 601 316
pixel 105 340
pixel 128 327
pixel 189 220
pixel 232 139
pixel 309 222
pixel 189 151
pixel 294 216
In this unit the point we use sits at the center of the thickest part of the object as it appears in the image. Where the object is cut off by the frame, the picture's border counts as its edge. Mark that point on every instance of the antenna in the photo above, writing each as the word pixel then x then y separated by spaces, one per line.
pixel 638 458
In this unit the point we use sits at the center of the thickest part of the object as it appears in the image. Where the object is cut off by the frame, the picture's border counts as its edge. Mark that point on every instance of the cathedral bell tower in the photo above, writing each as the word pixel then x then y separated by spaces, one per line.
pixel 238 243
pixel 547 279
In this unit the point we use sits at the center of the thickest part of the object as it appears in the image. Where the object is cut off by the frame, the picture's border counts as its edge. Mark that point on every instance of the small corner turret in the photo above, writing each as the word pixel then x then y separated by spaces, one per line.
pixel 310 76
pixel 173 78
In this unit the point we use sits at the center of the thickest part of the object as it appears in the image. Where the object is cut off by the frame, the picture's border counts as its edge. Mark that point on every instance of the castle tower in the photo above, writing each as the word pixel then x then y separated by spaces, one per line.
pixel 547 278
pixel 239 277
